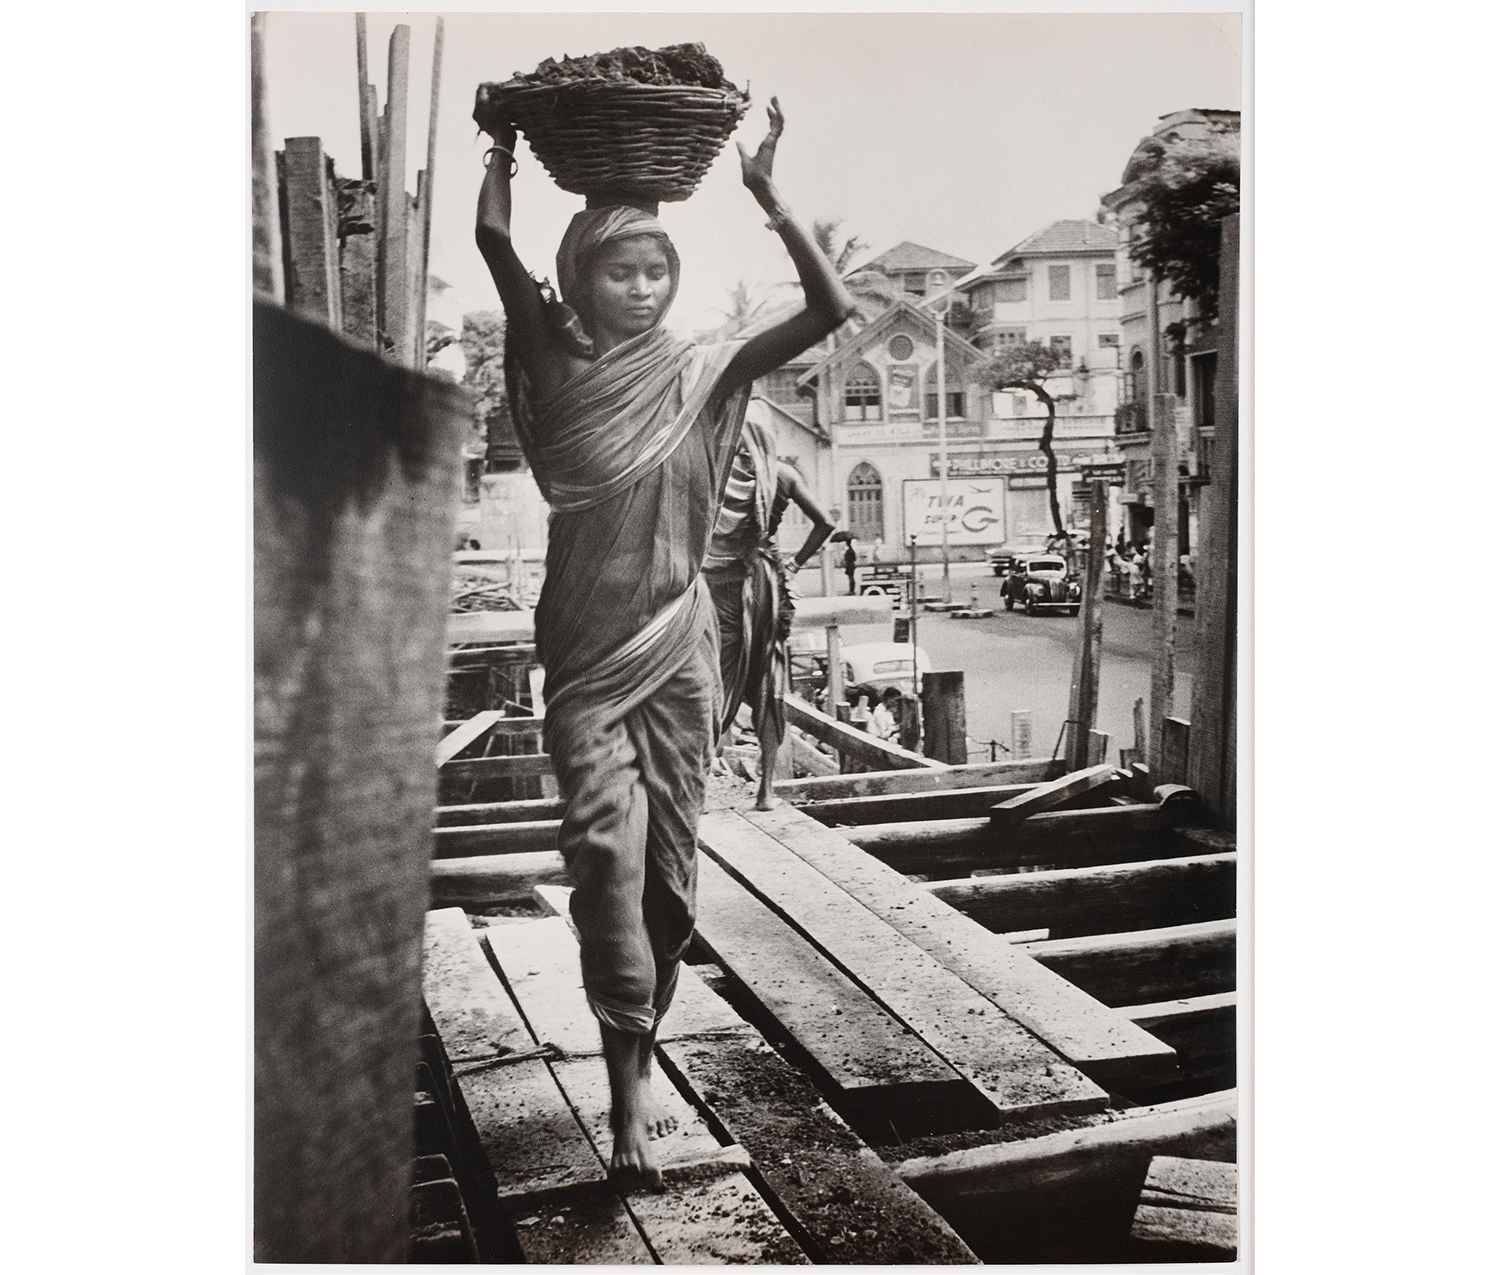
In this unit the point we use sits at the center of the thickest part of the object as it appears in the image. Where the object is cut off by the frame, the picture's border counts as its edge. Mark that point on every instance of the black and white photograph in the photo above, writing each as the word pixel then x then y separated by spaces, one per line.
pixel 747 616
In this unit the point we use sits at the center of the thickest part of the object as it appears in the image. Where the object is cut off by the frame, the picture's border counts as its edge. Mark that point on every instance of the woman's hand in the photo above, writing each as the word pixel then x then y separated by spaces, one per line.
pixel 505 136
pixel 756 169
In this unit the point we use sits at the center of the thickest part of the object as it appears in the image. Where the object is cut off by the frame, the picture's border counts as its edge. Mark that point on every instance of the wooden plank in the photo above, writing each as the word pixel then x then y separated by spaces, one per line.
pixel 515 767
pixel 1016 1073
pixel 807 756
pixel 850 742
pixel 1122 1149
pixel 1049 795
pixel 1187 1211
pixel 955 803
pixel 1098 748
pixel 535 837
pixel 395 317
pixel 846 1201
pixel 469 1007
pixel 357 243
pixel 889 783
pixel 526 1128
pixel 269 282
pixel 526 811
pixel 1201 1029
pixel 1060 839
pixel 1145 965
pixel 313 290
pixel 1084 1032
pixel 493 879
pixel 719 1222
pixel 1175 737
pixel 1107 899
pixel 457 740
pixel 872 1060
pixel 945 732
pixel 595 1230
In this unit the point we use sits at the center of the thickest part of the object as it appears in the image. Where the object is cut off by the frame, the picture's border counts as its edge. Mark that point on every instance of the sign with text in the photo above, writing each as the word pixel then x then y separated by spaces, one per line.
pixel 1028 461
pixel 891 432
pixel 974 511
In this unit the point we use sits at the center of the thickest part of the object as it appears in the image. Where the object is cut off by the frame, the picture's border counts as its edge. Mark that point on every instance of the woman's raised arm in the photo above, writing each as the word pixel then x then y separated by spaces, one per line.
pixel 524 323
pixel 828 302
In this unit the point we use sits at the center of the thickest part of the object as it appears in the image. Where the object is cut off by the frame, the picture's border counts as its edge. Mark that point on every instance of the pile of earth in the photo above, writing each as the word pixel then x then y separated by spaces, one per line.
pixel 677 64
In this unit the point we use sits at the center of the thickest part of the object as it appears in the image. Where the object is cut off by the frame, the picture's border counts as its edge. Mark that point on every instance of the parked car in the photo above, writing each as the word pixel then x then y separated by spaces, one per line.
pixel 870 667
pixel 1042 581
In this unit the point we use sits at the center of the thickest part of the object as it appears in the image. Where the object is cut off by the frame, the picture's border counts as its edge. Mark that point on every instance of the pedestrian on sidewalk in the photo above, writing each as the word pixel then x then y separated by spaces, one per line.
pixel 851 560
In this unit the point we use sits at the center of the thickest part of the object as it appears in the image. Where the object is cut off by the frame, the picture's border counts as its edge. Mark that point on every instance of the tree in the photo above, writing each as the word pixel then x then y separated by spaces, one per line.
pixel 1027 367
pixel 1188 187
pixel 744 308
pixel 825 235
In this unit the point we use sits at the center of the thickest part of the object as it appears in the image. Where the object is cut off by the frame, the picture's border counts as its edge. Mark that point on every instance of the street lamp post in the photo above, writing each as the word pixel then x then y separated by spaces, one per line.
pixel 939 279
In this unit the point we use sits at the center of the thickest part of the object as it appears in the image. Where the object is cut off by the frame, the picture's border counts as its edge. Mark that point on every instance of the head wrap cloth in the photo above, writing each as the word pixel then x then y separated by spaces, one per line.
pixel 590 230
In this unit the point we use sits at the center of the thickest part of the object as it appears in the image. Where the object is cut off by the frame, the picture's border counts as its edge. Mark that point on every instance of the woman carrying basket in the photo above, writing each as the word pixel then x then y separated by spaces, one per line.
pixel 630 431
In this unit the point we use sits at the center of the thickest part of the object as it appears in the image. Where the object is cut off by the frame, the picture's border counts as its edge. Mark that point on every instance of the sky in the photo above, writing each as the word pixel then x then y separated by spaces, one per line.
pixel 964 132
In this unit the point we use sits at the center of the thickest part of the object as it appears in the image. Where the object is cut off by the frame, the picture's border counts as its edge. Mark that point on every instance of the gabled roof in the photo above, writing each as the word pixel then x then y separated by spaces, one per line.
pixel 913 256
pixel 875 332
pixel 1064 237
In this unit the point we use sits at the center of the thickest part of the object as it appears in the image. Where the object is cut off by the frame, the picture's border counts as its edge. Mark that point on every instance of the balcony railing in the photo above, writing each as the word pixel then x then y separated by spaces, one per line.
pixel 1130 418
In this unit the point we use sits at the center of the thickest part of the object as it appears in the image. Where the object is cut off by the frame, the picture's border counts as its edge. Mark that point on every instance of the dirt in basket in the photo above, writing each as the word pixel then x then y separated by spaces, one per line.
pixel 681 64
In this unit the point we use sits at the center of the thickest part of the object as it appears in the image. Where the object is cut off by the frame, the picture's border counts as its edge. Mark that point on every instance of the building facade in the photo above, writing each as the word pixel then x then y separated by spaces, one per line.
pixel 1177 362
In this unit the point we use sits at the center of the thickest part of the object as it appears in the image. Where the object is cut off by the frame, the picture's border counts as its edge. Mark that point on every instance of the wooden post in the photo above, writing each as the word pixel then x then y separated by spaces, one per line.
pixel 944 722
pixel 265 215
pixel 1020 734
pixel 1083 701
pixel 357 260
pixel 1211 760
pixel 1098 750
pixel 368 131
pixel 1163 535
pixel 393 286
pixel 356 466
pixel 1172 768
pixel 313 290
pixel 835 671
pixel 424 198
pixel 416 279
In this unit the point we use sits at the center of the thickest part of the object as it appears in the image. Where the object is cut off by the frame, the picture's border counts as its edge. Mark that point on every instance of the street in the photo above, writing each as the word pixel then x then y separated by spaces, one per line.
pixel 1012 661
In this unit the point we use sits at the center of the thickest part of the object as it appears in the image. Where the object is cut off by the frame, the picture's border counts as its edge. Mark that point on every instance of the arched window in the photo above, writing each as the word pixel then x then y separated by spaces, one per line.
pixel 1135 383
pixel 862 395
pixel 953 388
pixel 866 503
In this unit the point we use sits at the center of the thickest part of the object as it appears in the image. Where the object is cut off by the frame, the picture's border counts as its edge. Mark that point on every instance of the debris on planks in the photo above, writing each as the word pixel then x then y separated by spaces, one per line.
pixel 890 783
pixel 1049 796
pixel 1188 1211
pixel 1146 965
pixel 1105 899
pixel 1017 1074
pixel 849 1205
pixel 1113 1053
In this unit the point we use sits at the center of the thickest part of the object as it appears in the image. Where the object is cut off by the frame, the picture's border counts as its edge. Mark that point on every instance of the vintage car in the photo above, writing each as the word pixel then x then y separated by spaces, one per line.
pixel 1041 581
pixel 869 667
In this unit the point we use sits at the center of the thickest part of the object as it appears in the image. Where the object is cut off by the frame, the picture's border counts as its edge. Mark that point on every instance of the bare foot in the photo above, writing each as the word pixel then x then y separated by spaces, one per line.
pixel 767 802
pixel 658 1120
pixel 633 1165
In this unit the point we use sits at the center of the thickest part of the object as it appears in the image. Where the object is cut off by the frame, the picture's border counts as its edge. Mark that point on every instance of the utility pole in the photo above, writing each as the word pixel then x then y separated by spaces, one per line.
pixel 939 279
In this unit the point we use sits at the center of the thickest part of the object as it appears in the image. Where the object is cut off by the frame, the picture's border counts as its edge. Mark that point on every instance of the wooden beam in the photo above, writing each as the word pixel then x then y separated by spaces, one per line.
pixel 1083 696
pixel 1060 839
pixel 1116 897
pixel 492 880
pixel 955 803
pixel 461 737
pixel 516 767
pixel 1088 1035
pixel 1173 767
pixel 1015 1072
pixel 945 731
pixel 366 104
pixel 929 779
pixel 1187 1211
pixel 1047 796
pixel 1145 965
pixel 265 216
pixel 497 812
pixel 850 742
pixel 537 836
pixel 394 294
pixel 866 1055
pixel 313 288
pixel 416 280
pixel 1203 1031
pixel 1121 1150
pixel 807 756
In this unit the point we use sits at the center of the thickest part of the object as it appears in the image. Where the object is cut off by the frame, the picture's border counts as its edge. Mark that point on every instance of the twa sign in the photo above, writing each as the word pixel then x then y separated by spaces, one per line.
pixel 974 511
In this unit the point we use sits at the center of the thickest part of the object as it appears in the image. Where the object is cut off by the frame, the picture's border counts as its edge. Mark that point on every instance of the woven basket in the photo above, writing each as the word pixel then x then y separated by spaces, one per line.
pixel 618 137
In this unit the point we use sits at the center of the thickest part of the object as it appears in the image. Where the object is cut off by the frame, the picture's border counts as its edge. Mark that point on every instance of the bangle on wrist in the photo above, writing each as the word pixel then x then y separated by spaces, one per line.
pixel 514 165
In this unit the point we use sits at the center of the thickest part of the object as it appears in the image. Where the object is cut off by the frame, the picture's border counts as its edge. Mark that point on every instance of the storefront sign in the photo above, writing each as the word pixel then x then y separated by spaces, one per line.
pixel 903 388
pixel 889 432
pixel 1030 460
pixel 974 512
